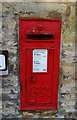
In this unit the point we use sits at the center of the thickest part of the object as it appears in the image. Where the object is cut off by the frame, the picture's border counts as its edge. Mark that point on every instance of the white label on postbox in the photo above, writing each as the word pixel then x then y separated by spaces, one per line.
pixel 40 60
pixel 2 62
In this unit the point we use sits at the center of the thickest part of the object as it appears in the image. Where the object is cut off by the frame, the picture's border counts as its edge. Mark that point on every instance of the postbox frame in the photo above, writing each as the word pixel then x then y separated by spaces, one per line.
pixel 55 80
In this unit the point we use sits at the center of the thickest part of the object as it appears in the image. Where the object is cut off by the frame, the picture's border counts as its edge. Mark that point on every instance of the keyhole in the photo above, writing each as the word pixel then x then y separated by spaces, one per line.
pixel 31 78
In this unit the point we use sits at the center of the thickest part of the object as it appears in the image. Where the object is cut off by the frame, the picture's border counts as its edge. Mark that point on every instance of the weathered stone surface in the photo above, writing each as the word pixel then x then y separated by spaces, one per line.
pixel 9 40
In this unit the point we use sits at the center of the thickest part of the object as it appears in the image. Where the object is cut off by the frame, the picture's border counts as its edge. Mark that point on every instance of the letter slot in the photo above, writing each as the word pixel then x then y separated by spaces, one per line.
pixel 40 36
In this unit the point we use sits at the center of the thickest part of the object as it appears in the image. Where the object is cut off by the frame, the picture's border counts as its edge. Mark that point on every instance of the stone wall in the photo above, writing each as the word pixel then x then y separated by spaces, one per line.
pixel 11 11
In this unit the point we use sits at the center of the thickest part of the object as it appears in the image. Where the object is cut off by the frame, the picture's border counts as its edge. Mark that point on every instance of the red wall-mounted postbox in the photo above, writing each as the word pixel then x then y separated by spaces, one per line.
pixel 39 63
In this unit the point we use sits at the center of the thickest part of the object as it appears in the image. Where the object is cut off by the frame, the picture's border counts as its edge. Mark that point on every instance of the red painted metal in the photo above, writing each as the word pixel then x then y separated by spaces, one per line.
pixel 39 90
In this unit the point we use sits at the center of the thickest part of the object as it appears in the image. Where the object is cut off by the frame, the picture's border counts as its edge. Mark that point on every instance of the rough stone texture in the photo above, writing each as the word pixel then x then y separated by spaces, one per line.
pixel 0 48
pixel 10 41
pixel 38 1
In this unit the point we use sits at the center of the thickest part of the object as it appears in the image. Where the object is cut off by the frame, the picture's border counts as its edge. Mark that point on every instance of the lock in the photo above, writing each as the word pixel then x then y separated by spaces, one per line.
pixel 32 79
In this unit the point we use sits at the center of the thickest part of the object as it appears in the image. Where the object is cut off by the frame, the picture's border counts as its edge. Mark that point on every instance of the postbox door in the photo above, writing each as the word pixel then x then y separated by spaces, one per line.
pixel 39 76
